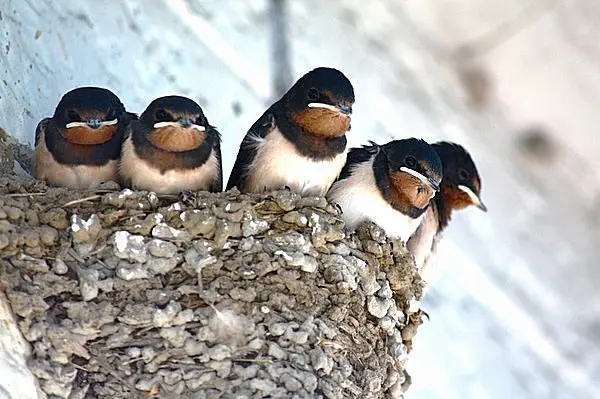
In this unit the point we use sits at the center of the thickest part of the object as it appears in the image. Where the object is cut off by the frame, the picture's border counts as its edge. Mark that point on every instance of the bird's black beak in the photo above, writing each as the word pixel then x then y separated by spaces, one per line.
pixel 344 109
pixel 482 206
pixel 434 184
pixel 475 199
pixel 186 123
pixel 94 123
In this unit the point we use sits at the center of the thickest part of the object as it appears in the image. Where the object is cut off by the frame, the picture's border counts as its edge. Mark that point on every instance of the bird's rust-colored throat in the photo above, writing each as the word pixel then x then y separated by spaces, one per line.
pixel 89 136
pixel 323 122
pixel 175 139
pixel 455 198
pixel 408 190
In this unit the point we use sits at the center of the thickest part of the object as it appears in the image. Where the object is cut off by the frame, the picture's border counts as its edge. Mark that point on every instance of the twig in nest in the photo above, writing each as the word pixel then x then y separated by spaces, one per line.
pixel 266 361
pixel 135 342
pixel 133 360
pixel 79 367
pixel 168 196
pixel 24 194
pixel 82 200
pixel 105 191
pixel 144 330
pixel 75 255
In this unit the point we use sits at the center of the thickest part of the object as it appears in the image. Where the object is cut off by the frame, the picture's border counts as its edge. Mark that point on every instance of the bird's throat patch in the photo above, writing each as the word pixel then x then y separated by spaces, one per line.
pixel 455 198
pixel 175 139
pixel 323 122
pixel 407 190
pixel 88 136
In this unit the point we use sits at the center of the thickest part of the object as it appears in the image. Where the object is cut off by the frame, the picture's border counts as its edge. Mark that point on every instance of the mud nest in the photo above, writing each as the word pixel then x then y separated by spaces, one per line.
pixel 125 294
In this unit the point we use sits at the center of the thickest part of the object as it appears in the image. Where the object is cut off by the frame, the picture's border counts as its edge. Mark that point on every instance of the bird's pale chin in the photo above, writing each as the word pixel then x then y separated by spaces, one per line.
pixel 159 125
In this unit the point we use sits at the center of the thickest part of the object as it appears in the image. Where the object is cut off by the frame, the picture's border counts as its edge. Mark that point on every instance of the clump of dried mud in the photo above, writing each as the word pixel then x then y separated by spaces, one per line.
pixel 124 294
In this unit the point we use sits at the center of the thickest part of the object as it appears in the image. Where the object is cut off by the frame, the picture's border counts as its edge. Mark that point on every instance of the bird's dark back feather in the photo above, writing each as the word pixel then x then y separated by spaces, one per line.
pixel 357 156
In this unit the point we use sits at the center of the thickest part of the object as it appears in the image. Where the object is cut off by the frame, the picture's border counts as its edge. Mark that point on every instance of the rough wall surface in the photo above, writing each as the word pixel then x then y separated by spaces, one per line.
pixel 17 379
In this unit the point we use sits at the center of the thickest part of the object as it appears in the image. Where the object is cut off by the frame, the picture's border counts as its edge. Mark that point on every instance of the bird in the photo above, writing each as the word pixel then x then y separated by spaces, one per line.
pixel 390 185
pixel 79 146
pixel 460 188
pixel 172 149
pixel 299 142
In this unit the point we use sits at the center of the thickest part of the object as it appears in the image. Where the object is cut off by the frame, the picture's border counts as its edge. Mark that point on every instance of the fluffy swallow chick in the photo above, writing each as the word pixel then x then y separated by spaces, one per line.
pixel 460 188
pixel 390 185
pixel 172 148
pixel 300 141
pixel 79 145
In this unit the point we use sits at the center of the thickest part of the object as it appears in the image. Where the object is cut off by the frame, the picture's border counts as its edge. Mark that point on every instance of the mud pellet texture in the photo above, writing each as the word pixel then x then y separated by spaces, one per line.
pixel 126 294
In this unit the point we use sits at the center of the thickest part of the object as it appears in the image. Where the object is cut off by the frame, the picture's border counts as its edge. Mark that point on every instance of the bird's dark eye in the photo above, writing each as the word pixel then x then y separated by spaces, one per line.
pixel 410 161
pixel 463 174
pixel 312 94
pixel 73 116
pixel 162 116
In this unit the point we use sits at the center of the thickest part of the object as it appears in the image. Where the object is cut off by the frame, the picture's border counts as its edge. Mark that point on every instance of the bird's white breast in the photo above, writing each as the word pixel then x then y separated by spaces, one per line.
pixel 361 200
pixel 80 177
pixel 144 176
pixel 277 163
pixel 421 242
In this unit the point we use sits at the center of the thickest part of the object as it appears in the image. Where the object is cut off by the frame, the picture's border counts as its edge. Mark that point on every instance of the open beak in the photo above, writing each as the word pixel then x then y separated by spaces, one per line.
pixel 92 123
pixel 341 108
pixel 475 200
pixel 429 181
pixel 182 123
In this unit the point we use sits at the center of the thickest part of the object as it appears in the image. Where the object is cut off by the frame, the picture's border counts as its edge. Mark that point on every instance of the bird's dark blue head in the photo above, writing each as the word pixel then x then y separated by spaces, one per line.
pixel 176 124
pixel 92 107
pixel 414 157
pixel 413 169
pixel 461 184
pixel 321 102
pixel 173 110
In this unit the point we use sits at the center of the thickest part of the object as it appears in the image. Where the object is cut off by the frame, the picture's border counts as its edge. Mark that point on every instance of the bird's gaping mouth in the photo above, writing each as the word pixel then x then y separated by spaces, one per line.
pixel 435 186
pixel 184 123
pixel 475 199
pixel 93 123
pixel 341 108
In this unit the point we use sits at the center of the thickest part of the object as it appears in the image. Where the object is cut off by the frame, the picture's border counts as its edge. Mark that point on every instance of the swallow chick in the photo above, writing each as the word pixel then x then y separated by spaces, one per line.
pixel 300 141
pixel 460 188
pixel 172 148
pixel 390 185
pixel 79 146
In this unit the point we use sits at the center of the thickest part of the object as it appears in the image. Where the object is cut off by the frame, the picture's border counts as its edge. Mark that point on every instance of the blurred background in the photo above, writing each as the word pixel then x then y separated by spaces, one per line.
pixel 515 311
